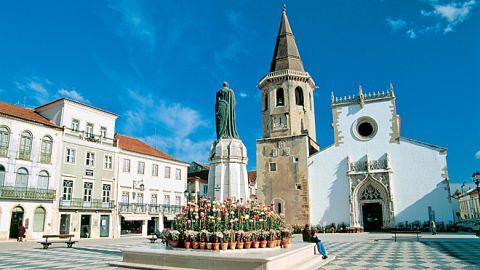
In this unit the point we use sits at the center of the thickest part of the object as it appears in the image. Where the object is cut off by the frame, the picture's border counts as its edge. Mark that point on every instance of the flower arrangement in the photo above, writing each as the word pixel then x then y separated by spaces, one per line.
pixel 228 221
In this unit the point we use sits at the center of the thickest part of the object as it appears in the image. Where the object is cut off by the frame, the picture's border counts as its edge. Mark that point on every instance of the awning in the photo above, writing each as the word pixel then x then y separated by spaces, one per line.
pixel 130 217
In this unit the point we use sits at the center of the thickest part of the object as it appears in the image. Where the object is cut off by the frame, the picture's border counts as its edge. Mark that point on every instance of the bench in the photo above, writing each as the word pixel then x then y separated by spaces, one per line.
pixel 395 232
pixel 47 243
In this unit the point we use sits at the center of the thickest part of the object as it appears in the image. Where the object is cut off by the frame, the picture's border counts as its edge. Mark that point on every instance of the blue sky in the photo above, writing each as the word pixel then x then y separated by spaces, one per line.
pixel 159 63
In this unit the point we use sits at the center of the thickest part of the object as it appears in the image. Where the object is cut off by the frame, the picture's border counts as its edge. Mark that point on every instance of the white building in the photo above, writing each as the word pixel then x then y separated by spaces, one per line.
pixel 373 177
pixel 86 188
pixel 151 187
pixel 29 151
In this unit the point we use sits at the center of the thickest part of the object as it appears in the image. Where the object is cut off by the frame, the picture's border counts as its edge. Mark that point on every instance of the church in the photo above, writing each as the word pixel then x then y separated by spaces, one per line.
pixel 370 177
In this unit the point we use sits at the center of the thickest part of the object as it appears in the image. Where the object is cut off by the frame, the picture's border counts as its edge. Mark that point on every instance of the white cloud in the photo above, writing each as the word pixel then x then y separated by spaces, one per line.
pixel 477 155
pixel 72 94
pixel 396 24
pixel 135 22
pixel 177 124
pixel 243 94
pixel 411 34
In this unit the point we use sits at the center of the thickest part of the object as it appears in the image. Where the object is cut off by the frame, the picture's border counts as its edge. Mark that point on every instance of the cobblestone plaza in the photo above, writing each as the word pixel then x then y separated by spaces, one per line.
pixel 352 251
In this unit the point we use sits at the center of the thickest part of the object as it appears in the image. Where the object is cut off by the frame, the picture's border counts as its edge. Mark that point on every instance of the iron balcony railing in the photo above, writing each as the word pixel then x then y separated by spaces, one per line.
pixel 45 158
pixel 3 151
pixel 24 193
pixel 24 155
pixel 148 208
pixel 79 203
pixel 90 137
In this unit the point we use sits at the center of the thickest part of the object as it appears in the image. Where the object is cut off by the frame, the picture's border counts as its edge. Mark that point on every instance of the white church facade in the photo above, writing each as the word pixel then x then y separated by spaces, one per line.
pixel 372 177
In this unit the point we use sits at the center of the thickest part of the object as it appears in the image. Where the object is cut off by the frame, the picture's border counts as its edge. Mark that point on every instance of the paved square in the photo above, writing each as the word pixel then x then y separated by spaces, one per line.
pixel 365 251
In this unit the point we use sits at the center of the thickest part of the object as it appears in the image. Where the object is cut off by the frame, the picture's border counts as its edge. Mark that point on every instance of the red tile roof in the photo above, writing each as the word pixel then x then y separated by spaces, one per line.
pixel 137 146
pixel 24 114
pixel 252 176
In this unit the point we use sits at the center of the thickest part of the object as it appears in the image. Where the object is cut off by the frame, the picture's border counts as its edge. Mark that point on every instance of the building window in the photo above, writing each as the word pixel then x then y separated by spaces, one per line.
pixel 125 197
pixel 126 165
pixel 265 101
pixel 299 96
pixel 280 97
pixel 75 125
pixel 87 191
pixel 154 170
pixel 103 132
pixel 67 190
pixel 178 200
pixel 141 167
pixel 273 167
pixel 365 128
pixel 167 172
pixel 22 178
pixel 2 175
pixel 46 150
pixel 4 141
pixel 106 193
pixel 153 199
pixel 108 162
pixel 25 148
pixel 140 198
pixel 166 199
pixel 90 160
pixel 89 130
pixel 205 189
pixel 178 174
pixel 39 219
pixel 43 179
pixel 70 154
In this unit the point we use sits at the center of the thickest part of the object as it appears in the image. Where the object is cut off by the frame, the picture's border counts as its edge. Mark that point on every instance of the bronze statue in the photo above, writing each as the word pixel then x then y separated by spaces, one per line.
pixel 225 113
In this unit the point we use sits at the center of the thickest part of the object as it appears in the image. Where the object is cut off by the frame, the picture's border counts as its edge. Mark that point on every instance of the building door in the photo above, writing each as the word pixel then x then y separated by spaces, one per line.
pixel 15 221
pixel 104 225
pixel 152 225
pixel 372 216
pixel 65 224
pixel 85 226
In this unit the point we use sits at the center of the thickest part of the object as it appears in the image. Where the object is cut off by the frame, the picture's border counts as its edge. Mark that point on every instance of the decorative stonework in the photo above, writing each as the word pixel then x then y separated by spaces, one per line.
pixel 363 98
pixel 336 127
pixel 371 193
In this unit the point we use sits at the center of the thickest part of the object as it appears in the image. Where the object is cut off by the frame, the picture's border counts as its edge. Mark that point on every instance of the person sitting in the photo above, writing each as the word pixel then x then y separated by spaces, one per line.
pixel 309 237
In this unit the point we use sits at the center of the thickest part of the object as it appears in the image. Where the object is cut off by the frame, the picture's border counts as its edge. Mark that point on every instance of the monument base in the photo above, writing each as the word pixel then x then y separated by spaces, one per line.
pixel 299 256
pixel 228 176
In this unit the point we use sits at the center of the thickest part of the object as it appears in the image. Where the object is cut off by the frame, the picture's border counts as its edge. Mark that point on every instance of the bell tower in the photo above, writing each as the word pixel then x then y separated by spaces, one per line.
pixel 288 130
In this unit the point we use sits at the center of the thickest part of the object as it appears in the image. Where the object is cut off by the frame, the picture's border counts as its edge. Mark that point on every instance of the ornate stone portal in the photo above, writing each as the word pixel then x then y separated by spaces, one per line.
pixel 369 182
pixel 228 176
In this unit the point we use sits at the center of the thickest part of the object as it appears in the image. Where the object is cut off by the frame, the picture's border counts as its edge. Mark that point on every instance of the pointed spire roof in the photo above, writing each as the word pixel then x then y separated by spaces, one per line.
pixel 286 55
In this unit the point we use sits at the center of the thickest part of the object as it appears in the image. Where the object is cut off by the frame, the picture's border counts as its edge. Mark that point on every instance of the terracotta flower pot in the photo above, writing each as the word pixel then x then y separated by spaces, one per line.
pixel 285 243
pixel 232 245
pixel 256 244
pixel 271 243
pixel 209 246
pixel 278 242
pixel 224 246
pixel 202 245
pixel 195 245
pixel 263 244
pixel 173 243
pixel 187 244
pixel 247 245
pixel 216 246
pixel 240 245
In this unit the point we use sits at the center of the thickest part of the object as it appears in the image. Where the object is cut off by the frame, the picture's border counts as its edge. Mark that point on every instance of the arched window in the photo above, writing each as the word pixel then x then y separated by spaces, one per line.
pixel 25 148
pixel 22 178
pixel 39 219
pixel 46 150
pixel 43 178
pixel 2 175
pixel 279 208
pixel 4 140
pixel 280 97
pixel 265 100
pixel 299 96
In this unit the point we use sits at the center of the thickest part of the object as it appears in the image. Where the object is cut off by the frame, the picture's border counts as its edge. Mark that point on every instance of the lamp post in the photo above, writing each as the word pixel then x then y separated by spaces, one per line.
pixel 476 180
pixel 187 195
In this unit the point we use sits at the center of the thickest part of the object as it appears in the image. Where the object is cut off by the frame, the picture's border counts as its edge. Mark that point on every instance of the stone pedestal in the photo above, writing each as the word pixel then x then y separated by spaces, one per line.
pixel 228 177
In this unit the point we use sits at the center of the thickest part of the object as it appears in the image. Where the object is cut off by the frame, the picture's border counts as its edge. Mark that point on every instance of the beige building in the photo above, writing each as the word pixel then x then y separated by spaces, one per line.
pixel 288 130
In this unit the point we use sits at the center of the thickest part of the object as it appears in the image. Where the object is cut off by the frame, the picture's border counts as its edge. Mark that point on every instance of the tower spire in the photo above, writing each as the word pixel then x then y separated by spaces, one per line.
pixel 286 55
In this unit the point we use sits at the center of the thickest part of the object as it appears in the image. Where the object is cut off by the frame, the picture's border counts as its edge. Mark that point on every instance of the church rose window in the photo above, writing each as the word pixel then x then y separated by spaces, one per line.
pixel 365 128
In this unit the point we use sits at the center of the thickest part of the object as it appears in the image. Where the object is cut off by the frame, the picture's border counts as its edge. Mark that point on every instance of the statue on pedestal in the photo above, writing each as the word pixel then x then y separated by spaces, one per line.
pixel 225 113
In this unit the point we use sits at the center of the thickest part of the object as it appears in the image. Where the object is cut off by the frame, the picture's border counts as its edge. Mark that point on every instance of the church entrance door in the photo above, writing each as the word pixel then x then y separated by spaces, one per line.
pixel 372 216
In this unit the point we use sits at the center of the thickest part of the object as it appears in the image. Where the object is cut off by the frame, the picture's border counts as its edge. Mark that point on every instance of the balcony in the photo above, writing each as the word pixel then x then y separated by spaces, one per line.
pixel 24 155
pixel 140 208
pixel 78 203
pixel 3 151
pixel 22 193
pixel 83 135
pixel 45 158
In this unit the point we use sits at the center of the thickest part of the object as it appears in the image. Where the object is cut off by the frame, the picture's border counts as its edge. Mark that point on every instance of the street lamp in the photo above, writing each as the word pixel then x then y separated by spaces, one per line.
pixel 476 180
pixel 141 186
